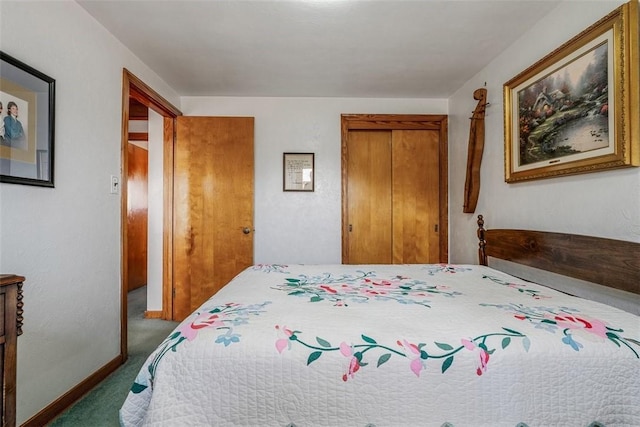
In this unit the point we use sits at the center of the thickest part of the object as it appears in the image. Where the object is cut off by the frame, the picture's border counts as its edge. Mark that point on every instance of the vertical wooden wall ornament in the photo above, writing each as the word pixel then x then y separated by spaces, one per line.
pixel 474 156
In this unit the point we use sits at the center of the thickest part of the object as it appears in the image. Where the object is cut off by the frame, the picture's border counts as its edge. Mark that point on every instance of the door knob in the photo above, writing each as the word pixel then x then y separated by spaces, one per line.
pixel 246 230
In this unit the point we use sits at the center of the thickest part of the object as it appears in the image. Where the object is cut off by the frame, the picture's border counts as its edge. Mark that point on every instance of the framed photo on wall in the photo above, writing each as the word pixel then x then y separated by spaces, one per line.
pixel 27 97
pixel 573 111
pixel 298 172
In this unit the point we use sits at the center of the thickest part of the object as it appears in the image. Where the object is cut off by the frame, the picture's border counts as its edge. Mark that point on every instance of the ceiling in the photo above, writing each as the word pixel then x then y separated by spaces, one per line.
pixel 311 48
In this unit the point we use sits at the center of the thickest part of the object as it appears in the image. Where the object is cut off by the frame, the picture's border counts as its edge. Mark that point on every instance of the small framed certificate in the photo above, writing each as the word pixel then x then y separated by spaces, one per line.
pixel 298 171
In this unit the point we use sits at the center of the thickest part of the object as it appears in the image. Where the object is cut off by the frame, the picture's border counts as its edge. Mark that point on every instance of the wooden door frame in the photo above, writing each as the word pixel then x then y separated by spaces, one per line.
pixel 351 122
pixel 133 87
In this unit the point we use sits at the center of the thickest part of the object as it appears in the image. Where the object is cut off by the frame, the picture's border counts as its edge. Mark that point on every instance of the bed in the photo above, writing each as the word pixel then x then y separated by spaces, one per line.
pixel 409 345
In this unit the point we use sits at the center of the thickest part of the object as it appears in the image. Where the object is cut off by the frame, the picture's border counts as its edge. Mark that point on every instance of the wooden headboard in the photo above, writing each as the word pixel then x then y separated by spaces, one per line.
pixel 608 262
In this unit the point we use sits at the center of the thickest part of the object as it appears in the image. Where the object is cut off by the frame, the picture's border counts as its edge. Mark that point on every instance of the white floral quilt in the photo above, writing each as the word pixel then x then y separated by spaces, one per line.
pixel 391 345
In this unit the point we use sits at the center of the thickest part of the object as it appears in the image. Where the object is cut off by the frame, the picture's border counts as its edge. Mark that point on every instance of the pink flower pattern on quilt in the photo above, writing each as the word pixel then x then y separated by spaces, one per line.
pixel 416 353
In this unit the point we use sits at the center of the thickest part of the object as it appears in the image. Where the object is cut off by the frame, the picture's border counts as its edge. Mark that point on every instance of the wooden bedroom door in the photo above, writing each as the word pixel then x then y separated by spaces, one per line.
pixel 394 189
pixel 213 206
pixel 137 216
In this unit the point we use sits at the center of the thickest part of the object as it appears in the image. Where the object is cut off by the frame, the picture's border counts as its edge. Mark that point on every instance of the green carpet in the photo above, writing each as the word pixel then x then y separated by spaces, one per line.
pixel 99 407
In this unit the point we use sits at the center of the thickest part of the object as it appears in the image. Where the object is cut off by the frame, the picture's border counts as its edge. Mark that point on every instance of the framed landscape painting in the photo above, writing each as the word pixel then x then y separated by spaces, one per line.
pixel 27 101
pixel 576 110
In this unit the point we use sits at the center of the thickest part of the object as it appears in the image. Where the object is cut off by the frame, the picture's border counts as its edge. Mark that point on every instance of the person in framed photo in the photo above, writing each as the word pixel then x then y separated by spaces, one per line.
pixel 13 130
pixel 1 125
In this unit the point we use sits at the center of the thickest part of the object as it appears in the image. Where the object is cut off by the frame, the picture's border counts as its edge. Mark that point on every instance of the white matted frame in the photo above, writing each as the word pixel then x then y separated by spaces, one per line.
pixel 298 171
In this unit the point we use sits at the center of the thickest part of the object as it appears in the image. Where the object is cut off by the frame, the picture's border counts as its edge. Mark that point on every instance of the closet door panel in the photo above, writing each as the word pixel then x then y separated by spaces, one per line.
pixel 369 197
pixel 415 196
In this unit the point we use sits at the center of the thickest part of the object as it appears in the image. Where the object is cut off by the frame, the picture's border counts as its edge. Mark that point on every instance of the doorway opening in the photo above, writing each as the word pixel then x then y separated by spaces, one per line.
pixel 134 89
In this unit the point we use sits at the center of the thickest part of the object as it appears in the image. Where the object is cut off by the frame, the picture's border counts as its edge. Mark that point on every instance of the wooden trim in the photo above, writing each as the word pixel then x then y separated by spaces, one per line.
pixel 138 136
pixel 144 94
pixel 444 190
pixel 345 211
pixel 167 228
pixel 399 122
pixel 608 262
pixel 393 121
pixel 57 407
pixel 124 267
pixel 154 314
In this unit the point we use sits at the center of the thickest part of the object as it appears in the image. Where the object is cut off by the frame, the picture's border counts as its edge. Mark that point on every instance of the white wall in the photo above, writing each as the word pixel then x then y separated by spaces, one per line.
pixel 294 227
pixel 66 240
pixel 605 204
pixel 155 214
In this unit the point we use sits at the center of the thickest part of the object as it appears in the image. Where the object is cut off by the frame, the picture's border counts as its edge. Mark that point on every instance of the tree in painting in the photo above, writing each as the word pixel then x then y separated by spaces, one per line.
pixel 566 111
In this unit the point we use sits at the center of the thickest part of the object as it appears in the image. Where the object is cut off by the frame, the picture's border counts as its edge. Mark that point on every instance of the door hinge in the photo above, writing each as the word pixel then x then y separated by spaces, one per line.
pixel 436 228
pixel 350 228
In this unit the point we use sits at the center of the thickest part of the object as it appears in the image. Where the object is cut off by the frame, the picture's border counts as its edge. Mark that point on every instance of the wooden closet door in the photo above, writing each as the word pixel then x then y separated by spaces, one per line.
pixel 394 202
pixel 415 190
pixel 369 190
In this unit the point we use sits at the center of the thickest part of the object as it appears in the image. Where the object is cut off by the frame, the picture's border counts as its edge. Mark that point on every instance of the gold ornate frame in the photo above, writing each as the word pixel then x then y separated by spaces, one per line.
pixel 534 132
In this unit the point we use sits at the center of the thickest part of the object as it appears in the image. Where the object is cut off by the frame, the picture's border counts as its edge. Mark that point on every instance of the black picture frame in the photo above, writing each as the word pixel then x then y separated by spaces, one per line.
pixel 298 172
pixel 27 139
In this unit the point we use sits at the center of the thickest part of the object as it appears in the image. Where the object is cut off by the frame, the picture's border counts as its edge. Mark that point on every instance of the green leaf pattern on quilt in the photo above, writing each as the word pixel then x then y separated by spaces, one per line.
pixel 351 289
pixel 224 318
pixel 359 354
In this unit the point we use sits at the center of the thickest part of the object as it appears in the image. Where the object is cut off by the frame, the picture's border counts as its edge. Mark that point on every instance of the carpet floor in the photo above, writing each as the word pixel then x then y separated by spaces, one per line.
pixel 99 407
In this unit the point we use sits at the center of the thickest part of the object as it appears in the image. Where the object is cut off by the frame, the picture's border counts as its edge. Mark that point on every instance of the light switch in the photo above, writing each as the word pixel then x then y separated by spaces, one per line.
pixel 115 184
